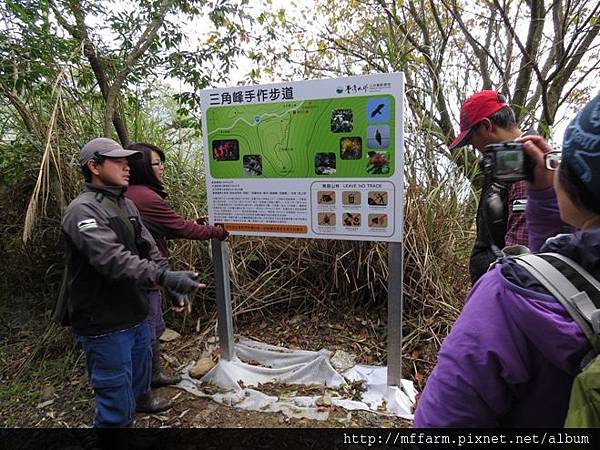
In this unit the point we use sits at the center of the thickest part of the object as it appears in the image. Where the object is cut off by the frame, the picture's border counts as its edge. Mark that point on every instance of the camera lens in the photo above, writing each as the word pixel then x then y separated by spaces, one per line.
pixel 553 160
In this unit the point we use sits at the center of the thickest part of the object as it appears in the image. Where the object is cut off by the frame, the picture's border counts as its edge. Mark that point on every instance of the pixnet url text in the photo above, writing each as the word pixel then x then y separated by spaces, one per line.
pixel 466 439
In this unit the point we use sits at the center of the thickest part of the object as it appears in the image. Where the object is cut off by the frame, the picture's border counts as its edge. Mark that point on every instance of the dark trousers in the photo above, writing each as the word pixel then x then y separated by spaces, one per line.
pixel 155 314
pixel 119 366
pixel 479 263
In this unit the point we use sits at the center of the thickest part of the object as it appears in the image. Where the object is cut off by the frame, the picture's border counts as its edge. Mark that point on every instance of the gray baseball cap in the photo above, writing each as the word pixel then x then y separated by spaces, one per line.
pixel 105 147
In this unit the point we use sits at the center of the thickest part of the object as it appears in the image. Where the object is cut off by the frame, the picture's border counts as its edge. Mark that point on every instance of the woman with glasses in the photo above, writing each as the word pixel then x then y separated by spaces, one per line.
pixel 146 190
pixel 513 353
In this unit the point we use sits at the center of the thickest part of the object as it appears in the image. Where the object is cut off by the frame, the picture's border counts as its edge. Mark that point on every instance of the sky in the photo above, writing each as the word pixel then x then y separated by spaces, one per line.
pixel 563 117
pixel 198 30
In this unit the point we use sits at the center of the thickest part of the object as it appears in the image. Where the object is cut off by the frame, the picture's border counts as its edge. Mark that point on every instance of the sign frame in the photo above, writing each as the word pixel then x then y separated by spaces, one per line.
pixel 355 158
pixel 220 250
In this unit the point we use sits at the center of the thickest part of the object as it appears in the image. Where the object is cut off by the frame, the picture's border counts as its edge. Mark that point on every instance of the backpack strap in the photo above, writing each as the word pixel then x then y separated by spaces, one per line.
pixel 572 286
pixel 587 300
pixel 132 223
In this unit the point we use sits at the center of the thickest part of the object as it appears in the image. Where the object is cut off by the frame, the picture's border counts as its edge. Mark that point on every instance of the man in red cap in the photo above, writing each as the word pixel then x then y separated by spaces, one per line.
pixel 486 118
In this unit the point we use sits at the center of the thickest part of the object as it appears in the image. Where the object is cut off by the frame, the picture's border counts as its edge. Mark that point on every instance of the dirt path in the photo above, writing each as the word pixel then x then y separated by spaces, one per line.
pixel 193 412
pixel 52 390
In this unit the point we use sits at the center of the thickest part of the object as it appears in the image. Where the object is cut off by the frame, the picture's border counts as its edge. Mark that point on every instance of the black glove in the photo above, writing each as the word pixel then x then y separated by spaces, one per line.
pixel 219 232
pixel 181 282
pixel 177 300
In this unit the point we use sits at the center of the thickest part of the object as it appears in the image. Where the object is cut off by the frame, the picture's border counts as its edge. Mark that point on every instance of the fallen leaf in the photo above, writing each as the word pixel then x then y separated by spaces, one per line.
pixel 169 335
pixel 44 404
pixel 201 368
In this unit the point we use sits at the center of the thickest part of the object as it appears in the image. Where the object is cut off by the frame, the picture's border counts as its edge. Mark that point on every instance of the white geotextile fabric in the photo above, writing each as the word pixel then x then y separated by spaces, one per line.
pixel 258 363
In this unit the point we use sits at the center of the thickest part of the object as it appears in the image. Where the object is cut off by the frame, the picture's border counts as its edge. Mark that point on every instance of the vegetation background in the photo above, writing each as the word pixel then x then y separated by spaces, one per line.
pixel 72 70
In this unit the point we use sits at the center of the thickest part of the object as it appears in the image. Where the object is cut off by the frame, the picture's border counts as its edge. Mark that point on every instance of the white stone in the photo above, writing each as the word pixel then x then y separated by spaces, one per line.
pixel 343 361
pixel 169 335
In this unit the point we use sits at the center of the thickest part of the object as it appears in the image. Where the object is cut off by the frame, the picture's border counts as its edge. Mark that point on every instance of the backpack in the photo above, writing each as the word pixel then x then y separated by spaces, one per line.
pixel 579 293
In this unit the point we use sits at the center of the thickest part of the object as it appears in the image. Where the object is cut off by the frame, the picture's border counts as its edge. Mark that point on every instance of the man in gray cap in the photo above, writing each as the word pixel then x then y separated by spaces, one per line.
pixel 111 259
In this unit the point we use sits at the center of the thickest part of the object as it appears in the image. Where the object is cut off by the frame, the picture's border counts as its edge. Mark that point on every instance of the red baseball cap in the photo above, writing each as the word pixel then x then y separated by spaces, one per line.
pixel 476 108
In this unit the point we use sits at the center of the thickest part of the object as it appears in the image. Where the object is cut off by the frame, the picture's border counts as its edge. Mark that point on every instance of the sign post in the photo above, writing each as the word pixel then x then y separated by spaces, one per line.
pixel 309 159
pixel 220 251
pixel 395 297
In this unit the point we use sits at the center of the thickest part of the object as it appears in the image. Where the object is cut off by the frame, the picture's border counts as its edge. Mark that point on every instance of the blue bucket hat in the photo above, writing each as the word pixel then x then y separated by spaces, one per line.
pixel 581 146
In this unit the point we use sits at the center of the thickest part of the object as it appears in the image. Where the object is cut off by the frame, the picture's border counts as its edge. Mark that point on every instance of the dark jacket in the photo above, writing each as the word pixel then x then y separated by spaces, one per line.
pixel 500 222
pixel 108 262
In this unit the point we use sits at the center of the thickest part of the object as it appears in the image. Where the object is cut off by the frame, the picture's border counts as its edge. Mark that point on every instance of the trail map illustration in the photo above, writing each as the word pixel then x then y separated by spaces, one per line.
pixel 349 137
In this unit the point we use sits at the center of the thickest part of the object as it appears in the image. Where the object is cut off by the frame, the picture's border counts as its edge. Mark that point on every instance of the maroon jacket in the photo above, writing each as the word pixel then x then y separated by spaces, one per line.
pixel 163 222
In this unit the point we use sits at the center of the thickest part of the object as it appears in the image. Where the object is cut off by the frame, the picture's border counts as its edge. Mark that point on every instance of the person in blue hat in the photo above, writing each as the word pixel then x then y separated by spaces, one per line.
pixel 513 353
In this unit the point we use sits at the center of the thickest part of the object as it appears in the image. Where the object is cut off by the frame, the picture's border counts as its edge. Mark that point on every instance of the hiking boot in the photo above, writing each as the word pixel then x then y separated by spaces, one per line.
pixel 148 403
pixel 159 378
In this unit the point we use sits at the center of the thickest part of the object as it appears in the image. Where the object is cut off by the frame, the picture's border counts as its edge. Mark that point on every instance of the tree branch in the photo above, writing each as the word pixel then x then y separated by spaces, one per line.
pixel 141 46
pixel 558 84
pixel 578 35
pixel 26 116
pixel 481 51
pixel 575 84
pixel 529 52
pixel 434 70
pixel 79 31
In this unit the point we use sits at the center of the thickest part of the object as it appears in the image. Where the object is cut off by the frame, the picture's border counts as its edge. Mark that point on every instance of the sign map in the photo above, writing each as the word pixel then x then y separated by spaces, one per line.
pixel 350 138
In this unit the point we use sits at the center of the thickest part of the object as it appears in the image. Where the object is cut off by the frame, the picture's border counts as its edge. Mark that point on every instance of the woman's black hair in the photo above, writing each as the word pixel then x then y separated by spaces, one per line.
pixel 140 170
pixel 577 192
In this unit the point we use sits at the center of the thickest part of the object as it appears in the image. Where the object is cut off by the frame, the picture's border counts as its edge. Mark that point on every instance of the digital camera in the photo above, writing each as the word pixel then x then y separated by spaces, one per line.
pixel 507 162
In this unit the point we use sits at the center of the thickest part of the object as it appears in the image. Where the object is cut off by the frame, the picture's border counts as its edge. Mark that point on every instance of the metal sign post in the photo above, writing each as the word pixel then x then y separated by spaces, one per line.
pixel 220 251
pixel 394 326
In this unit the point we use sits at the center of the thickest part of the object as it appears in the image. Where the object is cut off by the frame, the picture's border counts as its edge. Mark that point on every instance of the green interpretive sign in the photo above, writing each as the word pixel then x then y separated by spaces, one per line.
pixel 311 158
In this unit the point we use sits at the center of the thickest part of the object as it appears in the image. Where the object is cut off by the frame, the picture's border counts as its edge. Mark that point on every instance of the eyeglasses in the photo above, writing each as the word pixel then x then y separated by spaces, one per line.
pixel 552 160
pixel 158 163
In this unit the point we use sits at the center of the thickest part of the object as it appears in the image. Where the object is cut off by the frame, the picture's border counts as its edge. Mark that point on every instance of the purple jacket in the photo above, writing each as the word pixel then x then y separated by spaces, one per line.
pixel 511 357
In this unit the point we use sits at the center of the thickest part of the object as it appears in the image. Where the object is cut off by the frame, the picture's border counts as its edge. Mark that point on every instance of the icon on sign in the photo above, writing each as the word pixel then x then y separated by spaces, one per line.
pixel 378 136
pixel 326 197
pixel 351 198
pixel 326 219
pixel 378 109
